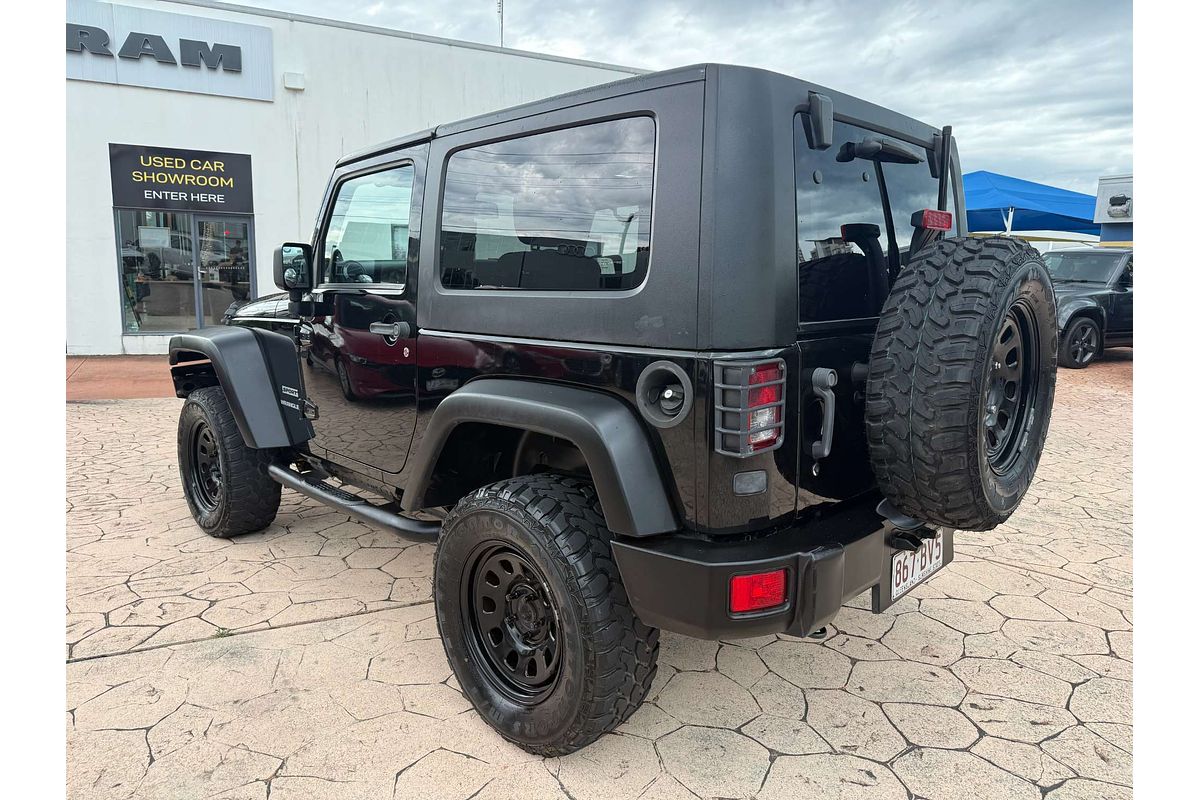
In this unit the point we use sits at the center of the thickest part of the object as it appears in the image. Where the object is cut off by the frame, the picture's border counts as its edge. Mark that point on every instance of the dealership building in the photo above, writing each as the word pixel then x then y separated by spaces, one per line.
pixel 202 134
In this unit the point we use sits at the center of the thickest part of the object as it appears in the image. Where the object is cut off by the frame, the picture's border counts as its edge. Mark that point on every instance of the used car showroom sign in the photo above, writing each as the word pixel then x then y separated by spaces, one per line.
pixel 185 180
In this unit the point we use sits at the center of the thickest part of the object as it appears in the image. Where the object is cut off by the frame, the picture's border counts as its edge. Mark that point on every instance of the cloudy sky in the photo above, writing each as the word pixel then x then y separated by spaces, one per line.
pixel 1039 90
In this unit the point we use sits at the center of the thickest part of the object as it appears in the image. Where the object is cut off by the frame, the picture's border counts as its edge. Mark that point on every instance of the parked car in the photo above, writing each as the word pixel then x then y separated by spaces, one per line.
pixel 1094 290
pixel 694 351
pixel 268 313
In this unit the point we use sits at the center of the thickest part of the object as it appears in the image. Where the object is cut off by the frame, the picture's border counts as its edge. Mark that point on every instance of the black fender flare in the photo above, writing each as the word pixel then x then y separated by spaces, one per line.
pixel 607 432
pixel 1070 309
pixel 260 374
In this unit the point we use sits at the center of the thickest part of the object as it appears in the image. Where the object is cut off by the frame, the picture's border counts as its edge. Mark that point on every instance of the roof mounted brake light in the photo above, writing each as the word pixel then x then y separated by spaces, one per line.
pixel 933 219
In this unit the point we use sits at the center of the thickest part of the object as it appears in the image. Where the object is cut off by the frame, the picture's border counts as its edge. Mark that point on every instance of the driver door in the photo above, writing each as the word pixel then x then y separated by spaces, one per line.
pixel 358 354
pixel 1120 320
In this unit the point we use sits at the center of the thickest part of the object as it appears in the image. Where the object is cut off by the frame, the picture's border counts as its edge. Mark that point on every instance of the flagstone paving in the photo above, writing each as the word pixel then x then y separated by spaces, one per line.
pixel 303 661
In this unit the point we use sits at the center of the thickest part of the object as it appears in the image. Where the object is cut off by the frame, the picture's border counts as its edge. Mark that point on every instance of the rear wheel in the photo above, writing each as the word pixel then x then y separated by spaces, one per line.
pixel 961 381
pixel 534 617
pixel 225 482
pixel 1081 344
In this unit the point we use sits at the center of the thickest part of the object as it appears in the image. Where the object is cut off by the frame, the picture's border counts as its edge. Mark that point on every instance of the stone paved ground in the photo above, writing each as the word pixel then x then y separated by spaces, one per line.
pixel 302 662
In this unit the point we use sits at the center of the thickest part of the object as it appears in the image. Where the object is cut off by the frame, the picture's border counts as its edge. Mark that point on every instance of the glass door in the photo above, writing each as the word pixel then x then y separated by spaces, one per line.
pixel 157 270
pixel 224 253
pixel 180 270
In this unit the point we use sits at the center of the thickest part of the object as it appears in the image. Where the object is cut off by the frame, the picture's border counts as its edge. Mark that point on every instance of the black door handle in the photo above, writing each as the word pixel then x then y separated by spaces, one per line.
pixel 823 381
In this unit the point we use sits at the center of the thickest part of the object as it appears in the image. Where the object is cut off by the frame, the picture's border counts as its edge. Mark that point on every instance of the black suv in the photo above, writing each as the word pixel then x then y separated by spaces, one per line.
pixel 1094 288
pixel 692 351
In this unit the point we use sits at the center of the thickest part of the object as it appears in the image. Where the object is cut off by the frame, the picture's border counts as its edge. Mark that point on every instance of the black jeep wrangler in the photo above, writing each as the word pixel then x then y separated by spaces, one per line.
pixel 694 351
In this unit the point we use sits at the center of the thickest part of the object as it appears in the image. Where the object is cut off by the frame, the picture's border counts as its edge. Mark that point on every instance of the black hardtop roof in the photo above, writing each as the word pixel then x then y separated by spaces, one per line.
pixel 845 106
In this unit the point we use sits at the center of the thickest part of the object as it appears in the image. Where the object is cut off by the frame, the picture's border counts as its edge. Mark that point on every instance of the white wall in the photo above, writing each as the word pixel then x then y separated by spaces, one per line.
pixel 361 88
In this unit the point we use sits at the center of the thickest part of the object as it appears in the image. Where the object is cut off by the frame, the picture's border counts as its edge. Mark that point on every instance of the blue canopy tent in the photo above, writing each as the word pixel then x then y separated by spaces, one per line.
pixel 1000 203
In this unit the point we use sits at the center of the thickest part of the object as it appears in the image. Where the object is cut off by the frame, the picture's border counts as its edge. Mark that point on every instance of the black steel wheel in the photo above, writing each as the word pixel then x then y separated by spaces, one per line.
pixel 513 622
pixel 1081 344
pixel 204 466
pixel 225 482
pixel 1012 386
pixel 534 617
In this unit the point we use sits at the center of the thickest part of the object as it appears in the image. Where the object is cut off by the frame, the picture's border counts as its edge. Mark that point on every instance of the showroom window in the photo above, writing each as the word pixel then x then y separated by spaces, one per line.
pixel 185 235
pixel 181 270
pixel 562 210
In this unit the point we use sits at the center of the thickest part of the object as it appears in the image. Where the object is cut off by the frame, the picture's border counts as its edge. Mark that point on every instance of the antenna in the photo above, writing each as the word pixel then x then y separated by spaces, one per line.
pixel 500 11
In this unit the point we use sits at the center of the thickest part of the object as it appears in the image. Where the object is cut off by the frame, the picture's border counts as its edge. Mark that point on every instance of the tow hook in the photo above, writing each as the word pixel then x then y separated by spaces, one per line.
pixel 910 540
pixel 907 533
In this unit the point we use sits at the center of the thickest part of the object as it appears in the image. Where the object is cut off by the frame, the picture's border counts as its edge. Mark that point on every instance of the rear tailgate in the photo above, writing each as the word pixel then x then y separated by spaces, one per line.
pixel 845 471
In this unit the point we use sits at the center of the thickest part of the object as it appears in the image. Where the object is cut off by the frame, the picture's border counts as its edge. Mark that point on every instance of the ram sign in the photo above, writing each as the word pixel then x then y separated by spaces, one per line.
pixel 141 47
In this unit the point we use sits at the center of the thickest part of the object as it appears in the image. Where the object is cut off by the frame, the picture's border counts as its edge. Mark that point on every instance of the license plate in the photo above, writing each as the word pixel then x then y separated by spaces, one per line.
pixel 910 567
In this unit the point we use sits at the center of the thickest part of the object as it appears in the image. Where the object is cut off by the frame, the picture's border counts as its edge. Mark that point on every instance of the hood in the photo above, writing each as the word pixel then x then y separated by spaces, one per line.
pixel 1065 291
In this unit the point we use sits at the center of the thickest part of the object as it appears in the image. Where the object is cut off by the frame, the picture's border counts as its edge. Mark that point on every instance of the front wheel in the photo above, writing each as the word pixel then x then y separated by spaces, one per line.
pixel 226 483
pixel 534 617
pixel 344 380
pixel 1081 344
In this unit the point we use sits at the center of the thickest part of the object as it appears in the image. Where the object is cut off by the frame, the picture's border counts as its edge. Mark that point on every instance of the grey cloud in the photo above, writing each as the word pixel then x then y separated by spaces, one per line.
pixel 1039 90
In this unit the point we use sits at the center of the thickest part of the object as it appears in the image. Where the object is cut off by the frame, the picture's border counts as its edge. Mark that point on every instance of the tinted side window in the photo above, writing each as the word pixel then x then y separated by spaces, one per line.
pixel 842 222
pixel 563 210
pixel 367 237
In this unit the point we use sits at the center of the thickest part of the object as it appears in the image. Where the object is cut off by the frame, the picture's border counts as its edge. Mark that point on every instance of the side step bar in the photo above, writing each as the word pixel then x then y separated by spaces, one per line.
pixel 415 530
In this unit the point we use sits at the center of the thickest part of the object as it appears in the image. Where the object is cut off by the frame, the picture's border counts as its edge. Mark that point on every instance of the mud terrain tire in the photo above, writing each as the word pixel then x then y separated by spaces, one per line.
pixel 533 615
pixel 961 381
pixel 225 482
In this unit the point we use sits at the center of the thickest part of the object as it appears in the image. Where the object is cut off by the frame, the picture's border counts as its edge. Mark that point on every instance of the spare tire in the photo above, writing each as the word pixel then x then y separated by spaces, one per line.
pixel 961 381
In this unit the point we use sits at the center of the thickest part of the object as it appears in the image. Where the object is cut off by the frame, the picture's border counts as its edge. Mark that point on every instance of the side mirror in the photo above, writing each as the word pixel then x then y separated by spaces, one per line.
pixel 293 267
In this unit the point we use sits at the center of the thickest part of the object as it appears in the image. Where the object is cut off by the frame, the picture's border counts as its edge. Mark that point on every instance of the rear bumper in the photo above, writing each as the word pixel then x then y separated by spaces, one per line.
pixel 682 584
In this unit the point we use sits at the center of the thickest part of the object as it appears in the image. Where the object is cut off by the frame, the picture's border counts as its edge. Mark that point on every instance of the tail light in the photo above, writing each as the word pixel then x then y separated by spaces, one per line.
pixel 932 219
pixel 748 407
pixel 757 592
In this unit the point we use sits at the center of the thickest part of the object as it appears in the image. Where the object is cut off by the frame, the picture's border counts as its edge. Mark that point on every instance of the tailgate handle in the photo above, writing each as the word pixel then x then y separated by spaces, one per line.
pixel 823 381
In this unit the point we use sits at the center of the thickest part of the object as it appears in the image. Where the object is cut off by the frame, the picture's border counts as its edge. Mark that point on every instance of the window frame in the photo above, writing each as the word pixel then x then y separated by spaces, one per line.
pixel 390 289
pixel 539 292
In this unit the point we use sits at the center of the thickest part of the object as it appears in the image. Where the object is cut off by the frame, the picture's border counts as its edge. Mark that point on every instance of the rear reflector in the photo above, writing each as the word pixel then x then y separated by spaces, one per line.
pixel 932 219
pixel 757 592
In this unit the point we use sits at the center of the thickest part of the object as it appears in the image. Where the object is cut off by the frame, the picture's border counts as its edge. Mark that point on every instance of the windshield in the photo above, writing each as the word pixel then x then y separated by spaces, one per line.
pixel 1082 267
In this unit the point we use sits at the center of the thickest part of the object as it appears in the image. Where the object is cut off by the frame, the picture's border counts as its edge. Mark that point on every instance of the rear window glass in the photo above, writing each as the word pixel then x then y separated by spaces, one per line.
pixel 842 220
pixel 562 210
